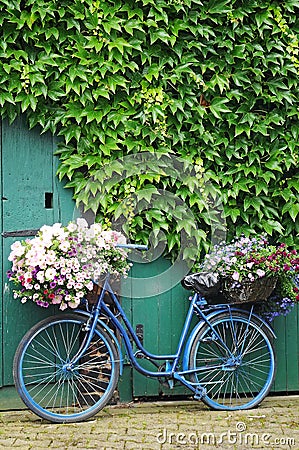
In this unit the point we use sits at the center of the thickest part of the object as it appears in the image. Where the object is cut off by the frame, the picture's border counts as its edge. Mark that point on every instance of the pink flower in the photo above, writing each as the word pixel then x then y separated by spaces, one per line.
pixel 57 299
pixel 236 276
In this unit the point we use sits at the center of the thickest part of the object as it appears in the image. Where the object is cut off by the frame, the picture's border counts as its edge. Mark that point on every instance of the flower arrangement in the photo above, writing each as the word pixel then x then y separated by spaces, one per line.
pixel 59 265
pixel 246 261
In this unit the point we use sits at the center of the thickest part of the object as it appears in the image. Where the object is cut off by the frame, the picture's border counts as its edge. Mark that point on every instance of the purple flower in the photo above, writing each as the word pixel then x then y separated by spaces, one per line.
pixel 42 304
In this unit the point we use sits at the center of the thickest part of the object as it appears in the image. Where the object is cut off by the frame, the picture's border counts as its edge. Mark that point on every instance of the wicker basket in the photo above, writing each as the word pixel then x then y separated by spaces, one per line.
pixel 248 291
pixel 92 296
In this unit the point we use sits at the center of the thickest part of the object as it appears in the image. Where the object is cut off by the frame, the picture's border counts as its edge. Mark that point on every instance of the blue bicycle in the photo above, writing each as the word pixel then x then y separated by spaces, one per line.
pixel 67 367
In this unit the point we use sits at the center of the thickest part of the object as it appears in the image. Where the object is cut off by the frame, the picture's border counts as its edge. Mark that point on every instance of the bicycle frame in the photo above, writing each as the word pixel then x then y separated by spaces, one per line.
pixel 171 360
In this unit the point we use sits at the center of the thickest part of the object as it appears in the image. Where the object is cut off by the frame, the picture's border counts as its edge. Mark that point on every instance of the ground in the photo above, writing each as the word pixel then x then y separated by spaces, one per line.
pixel 161 426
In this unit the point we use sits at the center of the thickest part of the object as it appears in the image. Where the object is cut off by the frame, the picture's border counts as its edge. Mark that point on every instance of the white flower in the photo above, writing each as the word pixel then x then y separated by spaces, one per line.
pixel 17 250
pixel 260 273
pixel 81 223
pixel 74 303
pixel 56 229
pixel 64 246
pixel 50 274
pixel 121 239
pixel 63 306
pixel 89 285
pixel 40 276
pixel 107 235
pixel 95 229
pixel 72 227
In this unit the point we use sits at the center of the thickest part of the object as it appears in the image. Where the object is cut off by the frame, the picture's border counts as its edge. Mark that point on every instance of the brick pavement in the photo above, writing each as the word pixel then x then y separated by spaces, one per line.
pixel 165 425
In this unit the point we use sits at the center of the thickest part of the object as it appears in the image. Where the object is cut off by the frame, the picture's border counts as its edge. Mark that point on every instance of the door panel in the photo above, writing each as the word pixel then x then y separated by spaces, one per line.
pixel 30 199
pixel 159 319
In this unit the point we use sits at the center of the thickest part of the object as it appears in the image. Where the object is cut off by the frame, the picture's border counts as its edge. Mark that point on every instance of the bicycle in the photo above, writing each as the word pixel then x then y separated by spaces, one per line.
pixel 66 367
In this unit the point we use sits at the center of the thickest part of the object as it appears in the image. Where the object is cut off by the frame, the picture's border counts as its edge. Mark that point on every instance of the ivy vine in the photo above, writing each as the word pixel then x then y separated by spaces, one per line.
pixel 213 83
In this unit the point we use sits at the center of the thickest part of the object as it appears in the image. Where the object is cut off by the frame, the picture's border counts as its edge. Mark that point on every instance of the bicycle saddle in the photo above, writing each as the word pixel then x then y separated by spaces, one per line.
pixel 205 283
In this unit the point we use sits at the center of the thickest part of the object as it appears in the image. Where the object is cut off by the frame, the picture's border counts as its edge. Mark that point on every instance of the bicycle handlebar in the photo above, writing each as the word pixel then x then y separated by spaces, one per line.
pixel 136 246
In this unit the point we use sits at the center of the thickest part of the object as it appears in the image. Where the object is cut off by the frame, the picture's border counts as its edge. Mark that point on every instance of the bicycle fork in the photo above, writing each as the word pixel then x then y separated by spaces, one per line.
pixel 89 329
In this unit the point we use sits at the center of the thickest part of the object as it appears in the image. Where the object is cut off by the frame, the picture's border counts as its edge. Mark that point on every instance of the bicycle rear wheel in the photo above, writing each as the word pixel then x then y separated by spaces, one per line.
pixel 235 362
pixel 44 380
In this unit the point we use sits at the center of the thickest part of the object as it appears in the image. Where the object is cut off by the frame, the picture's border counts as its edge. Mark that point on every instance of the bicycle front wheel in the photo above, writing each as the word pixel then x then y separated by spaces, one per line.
pixel 44 379
pixel 234 361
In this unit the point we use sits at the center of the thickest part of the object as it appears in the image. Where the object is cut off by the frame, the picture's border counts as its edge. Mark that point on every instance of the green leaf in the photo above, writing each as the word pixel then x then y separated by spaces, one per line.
pixel 218 6
pixel 242 127
pixel 160 34
pixel 146 193
pixel 120 44
pixel 273 164
pixel 217 106
pixel 292 210
pixel 233 213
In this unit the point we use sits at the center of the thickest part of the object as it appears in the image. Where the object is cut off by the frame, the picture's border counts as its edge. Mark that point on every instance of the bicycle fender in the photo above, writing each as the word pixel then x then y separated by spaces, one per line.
pixel 261 321
pixel 111 334
pixel 189 344
pixel 210 316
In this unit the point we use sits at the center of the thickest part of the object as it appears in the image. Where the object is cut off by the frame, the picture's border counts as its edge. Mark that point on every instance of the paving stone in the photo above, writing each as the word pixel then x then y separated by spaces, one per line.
pixel 7 443
pixel 161 426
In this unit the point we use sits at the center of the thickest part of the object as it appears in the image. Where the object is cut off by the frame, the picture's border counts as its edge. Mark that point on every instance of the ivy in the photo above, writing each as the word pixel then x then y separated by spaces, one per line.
pixel 211 84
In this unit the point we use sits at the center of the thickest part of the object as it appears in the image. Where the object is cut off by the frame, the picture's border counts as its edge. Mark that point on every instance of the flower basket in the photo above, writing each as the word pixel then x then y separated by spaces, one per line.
pixel 250 268
pixel 92 296
pixel 248 291
pixel 59 266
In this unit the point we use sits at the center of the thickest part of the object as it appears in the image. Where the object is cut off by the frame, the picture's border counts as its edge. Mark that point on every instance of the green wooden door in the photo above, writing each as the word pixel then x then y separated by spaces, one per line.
pixel 31 197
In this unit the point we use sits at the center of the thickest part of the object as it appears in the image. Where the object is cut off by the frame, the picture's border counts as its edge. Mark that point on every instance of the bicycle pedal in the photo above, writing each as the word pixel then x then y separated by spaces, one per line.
pixel 200 393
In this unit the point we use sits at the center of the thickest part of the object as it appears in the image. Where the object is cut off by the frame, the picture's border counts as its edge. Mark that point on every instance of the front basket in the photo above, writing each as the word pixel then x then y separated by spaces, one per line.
pixel 92 296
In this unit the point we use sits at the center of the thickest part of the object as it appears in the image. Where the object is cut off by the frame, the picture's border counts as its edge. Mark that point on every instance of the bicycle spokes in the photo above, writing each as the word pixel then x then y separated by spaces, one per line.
pixel 61 389
pixel 239 373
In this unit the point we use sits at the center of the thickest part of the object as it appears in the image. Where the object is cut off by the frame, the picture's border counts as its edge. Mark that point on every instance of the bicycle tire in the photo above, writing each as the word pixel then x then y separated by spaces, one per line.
pixel 47 387
pixel 238 382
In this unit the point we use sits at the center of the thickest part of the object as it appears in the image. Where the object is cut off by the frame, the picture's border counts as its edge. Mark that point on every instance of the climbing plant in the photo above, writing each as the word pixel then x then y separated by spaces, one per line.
pixel 211 84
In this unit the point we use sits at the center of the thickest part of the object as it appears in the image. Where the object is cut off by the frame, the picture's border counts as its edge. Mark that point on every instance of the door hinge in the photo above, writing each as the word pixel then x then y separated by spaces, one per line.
pixel 19 233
